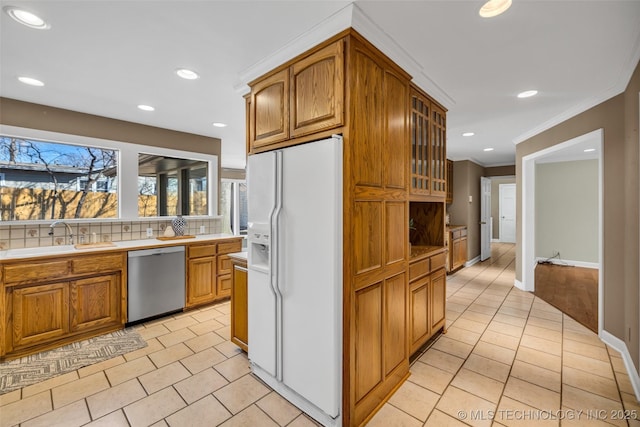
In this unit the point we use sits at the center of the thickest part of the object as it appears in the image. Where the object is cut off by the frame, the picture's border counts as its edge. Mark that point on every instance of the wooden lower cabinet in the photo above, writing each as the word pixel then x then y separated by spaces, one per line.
pixel 95 302
pixel 457 247
pixel 427 299
pixel 79 303
pixel 239 302
pixel 40 314
pixel 209 271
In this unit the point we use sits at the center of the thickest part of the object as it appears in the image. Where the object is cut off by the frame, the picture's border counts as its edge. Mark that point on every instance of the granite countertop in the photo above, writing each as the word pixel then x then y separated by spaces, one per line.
pixel 126 245
pixel 239 255
pixel 455 227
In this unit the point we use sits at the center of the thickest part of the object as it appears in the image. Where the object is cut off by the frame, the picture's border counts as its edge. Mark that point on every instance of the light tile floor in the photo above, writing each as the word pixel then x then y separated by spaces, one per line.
pixel 507 358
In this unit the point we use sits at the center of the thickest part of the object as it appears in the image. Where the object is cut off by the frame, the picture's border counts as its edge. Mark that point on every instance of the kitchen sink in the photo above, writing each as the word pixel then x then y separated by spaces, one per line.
pixel 39 251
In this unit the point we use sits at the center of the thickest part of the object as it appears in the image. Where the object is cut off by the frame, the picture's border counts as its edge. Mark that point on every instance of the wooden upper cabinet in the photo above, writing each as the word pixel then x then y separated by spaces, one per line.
pixel 449 181
pixel 428 146
pixel 420 145
pixel 269 110
pixel 304 98
pixel 317 91
pixel 438 152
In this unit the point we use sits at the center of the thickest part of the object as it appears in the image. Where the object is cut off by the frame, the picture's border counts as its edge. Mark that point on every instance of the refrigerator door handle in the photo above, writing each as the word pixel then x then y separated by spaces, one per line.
pixel 276 260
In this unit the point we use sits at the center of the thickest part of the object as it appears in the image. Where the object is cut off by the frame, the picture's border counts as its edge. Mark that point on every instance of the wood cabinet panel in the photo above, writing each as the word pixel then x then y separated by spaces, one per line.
pixel 239 314
pixel 395 147
pixel 438 298
pixel 40 314
pixel 317 90
pixel 395 322
pixel 269 110
pixel 368 339
pixel 223 285
pixel 224 264
pixel 449 197
pixel 201 280
pixel 419 268
pixel 367 236
pixel 230 247
pixel 367 133
pixel 420 166
pixel 419 313
pixel 30 272
pixel 95 302
pixel 396 236
pixel 98 264
pixel 197 251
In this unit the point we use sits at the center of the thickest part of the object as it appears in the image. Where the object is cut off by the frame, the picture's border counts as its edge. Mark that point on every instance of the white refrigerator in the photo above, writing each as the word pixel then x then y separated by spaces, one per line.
pixel 295 274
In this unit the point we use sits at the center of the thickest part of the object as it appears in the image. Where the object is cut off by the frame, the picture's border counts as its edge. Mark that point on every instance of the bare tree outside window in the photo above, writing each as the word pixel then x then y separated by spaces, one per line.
pixel 48 180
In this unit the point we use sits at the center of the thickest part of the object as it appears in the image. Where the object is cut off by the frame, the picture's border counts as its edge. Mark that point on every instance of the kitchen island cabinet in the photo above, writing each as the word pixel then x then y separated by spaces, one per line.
pixel 55 301
pixel 239 315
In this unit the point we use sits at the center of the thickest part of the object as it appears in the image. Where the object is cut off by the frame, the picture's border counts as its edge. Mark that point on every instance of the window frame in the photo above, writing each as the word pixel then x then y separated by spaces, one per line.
pixel 127 170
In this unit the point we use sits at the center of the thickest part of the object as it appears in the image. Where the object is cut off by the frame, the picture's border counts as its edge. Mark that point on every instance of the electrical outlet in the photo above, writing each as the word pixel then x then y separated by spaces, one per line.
pixel 149 232
pixel 202 229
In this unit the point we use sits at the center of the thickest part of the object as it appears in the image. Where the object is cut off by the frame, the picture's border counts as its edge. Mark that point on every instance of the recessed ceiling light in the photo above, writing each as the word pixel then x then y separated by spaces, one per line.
pixel 488 149
pixel 468 134
pixel 589 150
pixel 219 125
pixel 527 93
pixel 146 107
pixel 187 74
pixel 494 8
pixel 26 18
pixel 30 81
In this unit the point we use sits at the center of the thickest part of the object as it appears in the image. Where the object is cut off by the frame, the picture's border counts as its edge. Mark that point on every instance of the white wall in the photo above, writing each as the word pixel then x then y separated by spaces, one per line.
pixel 566 210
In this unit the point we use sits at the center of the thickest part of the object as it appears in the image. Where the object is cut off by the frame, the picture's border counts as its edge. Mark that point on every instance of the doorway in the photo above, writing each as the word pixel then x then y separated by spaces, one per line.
pixel 507 214
pixel 568 150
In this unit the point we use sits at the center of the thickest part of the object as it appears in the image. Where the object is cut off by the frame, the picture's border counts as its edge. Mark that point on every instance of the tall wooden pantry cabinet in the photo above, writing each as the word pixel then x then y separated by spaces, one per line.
pixel 347 86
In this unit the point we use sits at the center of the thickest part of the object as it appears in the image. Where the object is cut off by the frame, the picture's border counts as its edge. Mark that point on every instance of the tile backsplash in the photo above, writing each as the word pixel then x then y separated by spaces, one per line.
pixel 34 235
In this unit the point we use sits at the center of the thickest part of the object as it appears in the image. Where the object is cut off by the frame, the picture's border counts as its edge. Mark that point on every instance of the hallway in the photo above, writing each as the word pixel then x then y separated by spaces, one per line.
pixel 510 359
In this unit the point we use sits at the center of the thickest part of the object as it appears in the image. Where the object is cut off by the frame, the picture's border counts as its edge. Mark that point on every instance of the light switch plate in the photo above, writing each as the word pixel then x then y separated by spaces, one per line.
pixel 149 232
pixel 470 199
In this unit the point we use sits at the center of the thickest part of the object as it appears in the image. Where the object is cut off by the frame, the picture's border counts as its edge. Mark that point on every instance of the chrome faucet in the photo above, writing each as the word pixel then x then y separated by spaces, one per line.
pixel 66 225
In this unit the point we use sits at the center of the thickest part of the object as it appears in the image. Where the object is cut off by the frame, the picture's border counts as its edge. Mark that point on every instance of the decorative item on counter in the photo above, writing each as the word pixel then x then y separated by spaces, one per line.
pixel 179 224
pixel 168 232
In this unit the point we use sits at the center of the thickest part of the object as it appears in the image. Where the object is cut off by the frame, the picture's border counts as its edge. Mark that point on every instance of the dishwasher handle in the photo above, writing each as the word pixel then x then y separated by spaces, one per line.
pixel 156 251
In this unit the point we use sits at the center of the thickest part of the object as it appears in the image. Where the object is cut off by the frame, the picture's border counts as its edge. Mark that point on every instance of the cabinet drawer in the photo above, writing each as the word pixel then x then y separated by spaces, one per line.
pixel 36 271
pixel 418 269
pixel 97 264
pixel 197 251
pixel 230 247
pixel 463 232
pixel 224 264
pixel 438 261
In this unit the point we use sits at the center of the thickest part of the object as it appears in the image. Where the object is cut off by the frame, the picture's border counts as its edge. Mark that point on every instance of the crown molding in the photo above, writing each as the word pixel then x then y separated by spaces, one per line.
pixel 349 16
pixel 339 21
pixel 620 86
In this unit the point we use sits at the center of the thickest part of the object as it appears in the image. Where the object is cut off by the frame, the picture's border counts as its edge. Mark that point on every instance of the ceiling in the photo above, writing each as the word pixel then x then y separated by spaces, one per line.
pixel 106 57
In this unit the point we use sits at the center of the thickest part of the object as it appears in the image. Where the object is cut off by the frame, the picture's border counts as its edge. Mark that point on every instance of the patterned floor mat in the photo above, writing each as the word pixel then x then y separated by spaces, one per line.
pixel 38 367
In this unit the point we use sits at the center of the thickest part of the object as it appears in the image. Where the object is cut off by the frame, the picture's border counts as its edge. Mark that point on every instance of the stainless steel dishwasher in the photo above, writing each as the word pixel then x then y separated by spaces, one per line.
pixel 156 282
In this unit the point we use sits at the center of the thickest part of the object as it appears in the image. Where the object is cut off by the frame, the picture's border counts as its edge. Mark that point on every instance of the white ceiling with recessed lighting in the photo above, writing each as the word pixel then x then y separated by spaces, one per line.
pixel 108 57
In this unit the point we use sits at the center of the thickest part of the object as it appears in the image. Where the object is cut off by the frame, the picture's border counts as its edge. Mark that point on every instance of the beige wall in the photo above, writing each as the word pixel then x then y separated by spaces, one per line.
pixel 618 117
pixel 466 182
pixel 566 210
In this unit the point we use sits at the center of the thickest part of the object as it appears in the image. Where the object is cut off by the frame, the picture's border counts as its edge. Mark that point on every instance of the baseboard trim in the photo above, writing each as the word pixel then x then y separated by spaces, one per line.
pixel 472 261
pixel 619 345
pixel 495 240
pixel 570 263
pixel 518 284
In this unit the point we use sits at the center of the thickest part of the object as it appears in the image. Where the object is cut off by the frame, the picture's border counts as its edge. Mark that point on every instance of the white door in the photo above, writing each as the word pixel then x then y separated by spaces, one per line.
pixel 507 213
pixel 485 218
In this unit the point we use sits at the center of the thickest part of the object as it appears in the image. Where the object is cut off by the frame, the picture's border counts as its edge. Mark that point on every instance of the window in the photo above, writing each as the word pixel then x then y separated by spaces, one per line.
pixel 49 176
pixel 233 204
pixel 170 186
pixel 51 180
